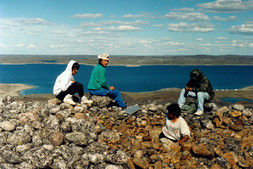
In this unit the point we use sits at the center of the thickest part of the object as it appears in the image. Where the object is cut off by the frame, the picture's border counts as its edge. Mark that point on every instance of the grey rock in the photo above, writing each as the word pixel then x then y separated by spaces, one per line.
pixel 206 123
pixel 19 137
pixel 7 125
pixel 238 107
pixel 77 138
pixel 11 156
pixel 38 156
pixel 247 113
pixel 101 101
pixel 7 100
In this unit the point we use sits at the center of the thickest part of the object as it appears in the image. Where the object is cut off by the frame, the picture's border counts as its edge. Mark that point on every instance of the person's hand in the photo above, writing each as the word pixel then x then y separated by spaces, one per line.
pixel 112 88
pixel 185 138
pixel 188 88
pixel 180 142
pixel 73 81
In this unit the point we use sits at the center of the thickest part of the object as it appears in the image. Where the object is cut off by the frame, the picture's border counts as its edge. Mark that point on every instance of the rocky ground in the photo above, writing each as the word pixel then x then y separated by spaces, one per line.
pixel 45 133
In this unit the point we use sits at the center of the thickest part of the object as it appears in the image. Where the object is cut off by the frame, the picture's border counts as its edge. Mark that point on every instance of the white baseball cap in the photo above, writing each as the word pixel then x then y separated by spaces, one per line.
pixel 104 56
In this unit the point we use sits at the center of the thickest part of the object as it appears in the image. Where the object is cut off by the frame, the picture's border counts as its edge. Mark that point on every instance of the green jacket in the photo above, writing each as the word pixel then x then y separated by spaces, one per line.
pixel 98 78
pixel 201 84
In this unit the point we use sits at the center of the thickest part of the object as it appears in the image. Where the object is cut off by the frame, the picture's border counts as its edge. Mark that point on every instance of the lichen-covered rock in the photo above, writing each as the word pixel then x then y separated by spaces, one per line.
pixel 7 125
pixel 77 138
pixel 18 138
pixel 101 101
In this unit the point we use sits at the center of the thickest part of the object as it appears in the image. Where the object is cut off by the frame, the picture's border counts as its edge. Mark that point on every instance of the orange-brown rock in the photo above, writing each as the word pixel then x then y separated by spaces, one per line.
pixel 226 120
pixel 231 157
pixel 122 128
pixel 146 144
pixel 235 114
pixel 79 115
pixel 217 122
pixel 141 163
pixel 216 166
pixel 130 164
pixel 186 146
pixel 202 151
pixel 218 151
pixel 158 165
pixel 246 142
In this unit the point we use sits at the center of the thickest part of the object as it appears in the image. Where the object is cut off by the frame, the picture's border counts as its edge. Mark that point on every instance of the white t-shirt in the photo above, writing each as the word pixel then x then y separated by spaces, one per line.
pixel 176 130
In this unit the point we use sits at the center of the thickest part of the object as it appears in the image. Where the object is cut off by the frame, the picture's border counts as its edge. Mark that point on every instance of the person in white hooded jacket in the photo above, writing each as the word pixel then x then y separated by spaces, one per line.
pixel 65 86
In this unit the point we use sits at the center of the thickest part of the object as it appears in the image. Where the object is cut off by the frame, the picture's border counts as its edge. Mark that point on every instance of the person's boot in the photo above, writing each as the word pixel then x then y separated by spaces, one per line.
pixel 84 100
pixel 69 100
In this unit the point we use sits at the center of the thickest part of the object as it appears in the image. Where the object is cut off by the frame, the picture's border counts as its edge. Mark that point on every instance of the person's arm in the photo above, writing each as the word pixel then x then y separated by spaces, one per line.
pixel 103 81
pixel 185 138
pixel 203 85
pixel 185 131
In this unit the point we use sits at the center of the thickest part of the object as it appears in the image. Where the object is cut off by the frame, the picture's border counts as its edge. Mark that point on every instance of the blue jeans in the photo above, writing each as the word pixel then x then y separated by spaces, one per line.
pixel 201 97
pixel 114 94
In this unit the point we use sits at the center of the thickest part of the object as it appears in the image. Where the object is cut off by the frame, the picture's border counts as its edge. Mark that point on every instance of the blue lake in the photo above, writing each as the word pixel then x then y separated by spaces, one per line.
pixel 132 79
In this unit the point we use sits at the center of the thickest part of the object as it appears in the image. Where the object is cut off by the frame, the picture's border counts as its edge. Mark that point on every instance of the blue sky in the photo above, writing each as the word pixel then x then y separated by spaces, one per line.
pixel 126 27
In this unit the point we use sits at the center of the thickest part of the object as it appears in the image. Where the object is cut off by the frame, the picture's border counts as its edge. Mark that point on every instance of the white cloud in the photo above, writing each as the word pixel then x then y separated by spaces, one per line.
pixel 31 46
pixel 158 25
pixel 183 10
pixel 244 29
pixel 20 45
pixel 58 32
pixel 117 22
pixel 227 6
pixel 89 24
pixel 192 16
pixel 127 28
pixel 118 28
pixel 195 27
pixel 230 18
pixel 33 21
pixel 87 16
pixel 142 15
pixel 97 33
pixel 222 38
pixel 132 16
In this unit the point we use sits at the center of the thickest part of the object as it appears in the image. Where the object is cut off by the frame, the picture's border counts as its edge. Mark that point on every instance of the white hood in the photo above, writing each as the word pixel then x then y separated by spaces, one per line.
pixel 64 80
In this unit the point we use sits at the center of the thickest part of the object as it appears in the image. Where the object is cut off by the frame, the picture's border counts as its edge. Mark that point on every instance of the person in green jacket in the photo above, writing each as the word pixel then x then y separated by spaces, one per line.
pixel 98 84
pixel 199 87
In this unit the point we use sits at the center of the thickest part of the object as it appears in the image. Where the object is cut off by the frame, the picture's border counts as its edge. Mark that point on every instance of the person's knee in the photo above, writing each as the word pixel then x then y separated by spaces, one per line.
pixel 79 84
pixel 202 94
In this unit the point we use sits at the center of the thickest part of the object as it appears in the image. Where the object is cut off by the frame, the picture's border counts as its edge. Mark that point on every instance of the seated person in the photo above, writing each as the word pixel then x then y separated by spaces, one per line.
pixel 176 128
pixel 98 84
pixel 198 87
pixel 65 85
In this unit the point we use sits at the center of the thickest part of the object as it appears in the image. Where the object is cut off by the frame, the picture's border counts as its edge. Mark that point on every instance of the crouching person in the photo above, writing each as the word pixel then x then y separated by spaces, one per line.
pixel 176 128
pixel 65 86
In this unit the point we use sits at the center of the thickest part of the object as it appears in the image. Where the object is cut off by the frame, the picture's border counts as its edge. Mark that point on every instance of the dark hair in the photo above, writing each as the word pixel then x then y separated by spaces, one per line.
pixel 99 61
pixel 174 109
pixel 75 65
pixel 196 74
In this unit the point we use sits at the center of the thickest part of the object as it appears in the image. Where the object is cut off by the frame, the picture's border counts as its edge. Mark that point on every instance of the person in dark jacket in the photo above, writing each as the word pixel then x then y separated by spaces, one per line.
pixel 199 87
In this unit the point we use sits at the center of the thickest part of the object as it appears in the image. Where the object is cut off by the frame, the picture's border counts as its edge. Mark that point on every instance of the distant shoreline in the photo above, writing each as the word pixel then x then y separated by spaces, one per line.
pixel 13 89
pixel 130 61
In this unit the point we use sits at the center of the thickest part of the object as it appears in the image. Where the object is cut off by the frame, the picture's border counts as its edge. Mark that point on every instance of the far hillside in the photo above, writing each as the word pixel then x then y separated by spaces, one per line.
pixel 131 60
